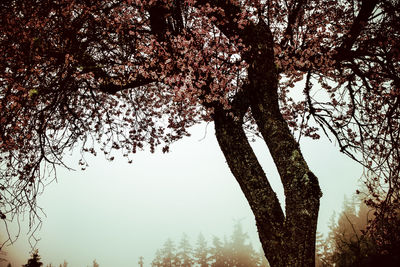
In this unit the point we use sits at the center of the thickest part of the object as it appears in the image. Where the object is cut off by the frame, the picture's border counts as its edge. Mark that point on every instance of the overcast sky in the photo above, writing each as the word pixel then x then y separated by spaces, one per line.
pixel 115 212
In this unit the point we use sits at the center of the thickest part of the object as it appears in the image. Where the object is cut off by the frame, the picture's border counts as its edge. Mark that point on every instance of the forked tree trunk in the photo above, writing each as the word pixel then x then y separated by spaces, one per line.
pixel 288 239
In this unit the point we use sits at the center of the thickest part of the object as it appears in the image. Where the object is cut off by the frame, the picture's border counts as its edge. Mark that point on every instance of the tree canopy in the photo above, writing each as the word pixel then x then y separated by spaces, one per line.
pixel 130 74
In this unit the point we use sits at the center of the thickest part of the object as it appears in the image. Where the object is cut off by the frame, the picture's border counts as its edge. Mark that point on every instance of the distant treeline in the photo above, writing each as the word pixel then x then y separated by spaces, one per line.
pixel 35 261
pixel 235 251
pixel 352 241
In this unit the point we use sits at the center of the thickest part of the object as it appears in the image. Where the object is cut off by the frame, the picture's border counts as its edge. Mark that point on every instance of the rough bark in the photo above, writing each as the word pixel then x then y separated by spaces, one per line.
pixel 288 240
pixel 248 172
pixel 302 192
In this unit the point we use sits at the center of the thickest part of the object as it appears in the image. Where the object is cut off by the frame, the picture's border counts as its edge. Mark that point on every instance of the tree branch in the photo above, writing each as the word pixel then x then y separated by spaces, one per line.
pixel 292 18
pixel 344 51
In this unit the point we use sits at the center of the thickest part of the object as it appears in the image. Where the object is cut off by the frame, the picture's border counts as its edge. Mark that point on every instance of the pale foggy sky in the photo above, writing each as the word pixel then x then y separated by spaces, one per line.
pixel 115 212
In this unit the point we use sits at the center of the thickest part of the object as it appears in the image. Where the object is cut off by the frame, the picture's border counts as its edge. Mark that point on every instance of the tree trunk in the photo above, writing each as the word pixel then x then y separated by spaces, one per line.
pixel 252 180
pixel 287 239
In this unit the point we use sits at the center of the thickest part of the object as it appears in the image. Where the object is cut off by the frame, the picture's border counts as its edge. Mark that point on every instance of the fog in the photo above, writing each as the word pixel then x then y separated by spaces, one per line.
pixel 115 212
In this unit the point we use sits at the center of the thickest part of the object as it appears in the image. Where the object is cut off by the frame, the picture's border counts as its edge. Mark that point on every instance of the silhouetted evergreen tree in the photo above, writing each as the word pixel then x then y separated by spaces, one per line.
pixel 351 246
pixel 219 253
pixel 346 245
pixel 234 252
pixel 169 258
pixel 201 252
pixel 185 252
pixel 65 264
pixel 34 261
pixel 350 243
pixel 321 251
pixel 158 260
pixel 242 253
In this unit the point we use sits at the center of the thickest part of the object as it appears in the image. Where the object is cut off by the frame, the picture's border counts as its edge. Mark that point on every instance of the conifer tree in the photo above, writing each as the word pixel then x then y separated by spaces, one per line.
pixel 34 261
pixel 201 252
pixel 242 252
pixel 157 261
pixel 169 257
pixel 351 242
pixel 219 253
pixel 185 252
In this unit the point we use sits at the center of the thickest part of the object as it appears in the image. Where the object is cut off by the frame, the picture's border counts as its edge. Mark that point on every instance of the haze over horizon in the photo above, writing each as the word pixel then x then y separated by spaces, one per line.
pixel 115 212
